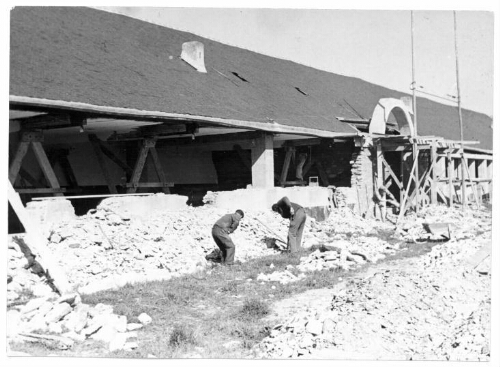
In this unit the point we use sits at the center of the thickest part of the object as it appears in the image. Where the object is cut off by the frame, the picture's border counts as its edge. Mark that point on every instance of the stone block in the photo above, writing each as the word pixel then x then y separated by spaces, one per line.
pixel 33 304
pixel 314 327
pixel 58 312
pixel 144 319
pixel 48 212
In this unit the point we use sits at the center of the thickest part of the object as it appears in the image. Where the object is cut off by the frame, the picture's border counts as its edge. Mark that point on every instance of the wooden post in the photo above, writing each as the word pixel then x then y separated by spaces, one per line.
pixel 44 163
pixel 450 178
pixel 404 166
pixel 322 174
pixel 100 159
pixel 139 166
pixel 286 165
pixel 380 180
pixel 110 154
pixel 464 184
pixel 489 169
pixel 17 162
pixel 417 185
pixel 403 202
pixel 433 172
pixel 159 169
pixel 36 243
pixel 474 191
pixel 482 173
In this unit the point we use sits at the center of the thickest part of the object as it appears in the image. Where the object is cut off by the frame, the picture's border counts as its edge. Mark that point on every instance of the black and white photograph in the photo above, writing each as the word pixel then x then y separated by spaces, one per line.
pixel 244 182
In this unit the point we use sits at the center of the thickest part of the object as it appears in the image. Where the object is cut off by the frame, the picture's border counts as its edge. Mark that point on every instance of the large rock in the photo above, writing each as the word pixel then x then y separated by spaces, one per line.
pixel 58 312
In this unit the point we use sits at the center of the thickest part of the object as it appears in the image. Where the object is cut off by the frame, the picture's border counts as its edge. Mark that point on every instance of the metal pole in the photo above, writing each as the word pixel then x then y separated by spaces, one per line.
pixel 413 83
pixel 458 82
pixel 464 191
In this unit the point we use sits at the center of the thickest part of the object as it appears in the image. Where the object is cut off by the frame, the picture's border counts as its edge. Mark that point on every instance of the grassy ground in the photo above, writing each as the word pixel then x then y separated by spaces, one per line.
pixel 196 315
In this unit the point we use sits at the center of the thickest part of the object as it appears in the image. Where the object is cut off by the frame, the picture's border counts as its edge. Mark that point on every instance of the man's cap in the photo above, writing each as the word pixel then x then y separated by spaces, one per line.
pixel 240 212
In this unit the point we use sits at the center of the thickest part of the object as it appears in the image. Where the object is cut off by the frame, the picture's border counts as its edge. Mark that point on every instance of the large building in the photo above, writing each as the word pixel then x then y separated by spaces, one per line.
pixel 103 103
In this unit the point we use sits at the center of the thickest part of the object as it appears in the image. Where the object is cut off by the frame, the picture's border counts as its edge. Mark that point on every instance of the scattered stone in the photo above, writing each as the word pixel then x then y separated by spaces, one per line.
pixel 134 326
pixel 145 319
pixel 57 312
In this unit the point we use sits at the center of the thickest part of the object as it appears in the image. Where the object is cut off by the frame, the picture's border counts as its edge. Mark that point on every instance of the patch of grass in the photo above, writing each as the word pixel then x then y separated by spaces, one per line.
pixel 254 309
pixel 182 335
pixel 191 312
pixel 230 287
pixel 250 334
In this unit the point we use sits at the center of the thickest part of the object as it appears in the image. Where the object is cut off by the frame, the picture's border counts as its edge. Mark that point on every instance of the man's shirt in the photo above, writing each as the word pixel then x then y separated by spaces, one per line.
pixel 229 222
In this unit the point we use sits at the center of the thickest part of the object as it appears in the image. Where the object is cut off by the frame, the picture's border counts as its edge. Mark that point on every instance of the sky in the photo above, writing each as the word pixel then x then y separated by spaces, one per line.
pixel 373 45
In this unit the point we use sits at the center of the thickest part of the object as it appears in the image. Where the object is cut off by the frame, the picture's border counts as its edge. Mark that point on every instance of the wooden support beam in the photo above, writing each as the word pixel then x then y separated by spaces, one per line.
pixel 473 186
pixel 405 197
pixel 391 172
pixel 450 178
pixel 91 196
pixel 442 195
pixel 102 165
pixel 302 142
pixel 44 163
pixel 35 241
pixel 17 162
pixel 322 174
pixel 462 165
pixel 41 190
pixel 433 173
pixel 286 165
pixel 64 162
pixel 139 166
pixel 417 181
pixel 159 170
pixel 149 184
pixel 25 175
pixel 307 166
pixel 111 155
pixel 380 177
pixel 472 156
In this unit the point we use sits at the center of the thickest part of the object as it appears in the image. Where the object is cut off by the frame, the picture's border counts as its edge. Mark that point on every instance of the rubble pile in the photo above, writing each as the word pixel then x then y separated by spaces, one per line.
pixel 102 249
pixel 433 307
pixel 59 322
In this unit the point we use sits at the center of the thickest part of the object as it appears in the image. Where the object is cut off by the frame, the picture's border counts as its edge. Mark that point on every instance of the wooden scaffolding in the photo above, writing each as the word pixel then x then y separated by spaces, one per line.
pixel 432 170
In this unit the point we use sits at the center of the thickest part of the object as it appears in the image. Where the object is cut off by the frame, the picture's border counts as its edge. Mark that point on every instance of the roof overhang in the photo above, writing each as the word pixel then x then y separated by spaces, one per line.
pixel 129 113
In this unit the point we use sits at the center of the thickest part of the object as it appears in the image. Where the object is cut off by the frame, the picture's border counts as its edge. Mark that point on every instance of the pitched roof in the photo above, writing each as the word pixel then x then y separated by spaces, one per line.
pixel 90 56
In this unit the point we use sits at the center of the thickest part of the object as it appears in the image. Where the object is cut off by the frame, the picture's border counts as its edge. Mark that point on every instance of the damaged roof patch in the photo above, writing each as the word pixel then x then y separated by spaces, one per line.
pixel 239 76
pixel 301 91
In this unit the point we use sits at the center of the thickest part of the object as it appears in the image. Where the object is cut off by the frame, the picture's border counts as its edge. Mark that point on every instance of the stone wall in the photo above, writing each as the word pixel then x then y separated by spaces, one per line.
pixel 262 199
pixel 362 179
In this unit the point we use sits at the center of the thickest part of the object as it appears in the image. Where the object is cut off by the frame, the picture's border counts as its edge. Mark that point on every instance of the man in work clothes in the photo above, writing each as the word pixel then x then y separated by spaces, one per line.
pixel 221 231
pixel 297 216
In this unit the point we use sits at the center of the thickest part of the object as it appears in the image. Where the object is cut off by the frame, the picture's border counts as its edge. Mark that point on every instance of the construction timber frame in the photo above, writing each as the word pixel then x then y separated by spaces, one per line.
pixel 442 171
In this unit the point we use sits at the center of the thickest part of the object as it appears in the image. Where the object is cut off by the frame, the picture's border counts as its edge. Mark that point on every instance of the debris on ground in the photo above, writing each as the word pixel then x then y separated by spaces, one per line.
pixel 435 307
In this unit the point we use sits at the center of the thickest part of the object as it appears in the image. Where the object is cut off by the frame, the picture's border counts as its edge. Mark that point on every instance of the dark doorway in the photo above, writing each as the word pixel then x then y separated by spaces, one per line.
pixel 232 169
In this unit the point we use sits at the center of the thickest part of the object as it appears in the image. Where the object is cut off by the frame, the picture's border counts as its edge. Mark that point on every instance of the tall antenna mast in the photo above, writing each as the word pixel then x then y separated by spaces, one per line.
pixel 414 87
pixel 458 82
pixel 413 83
